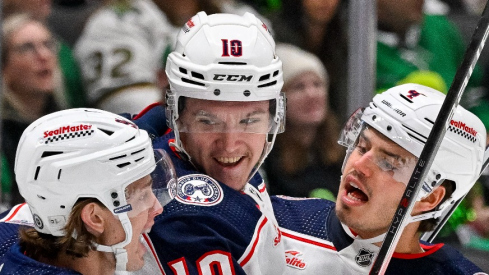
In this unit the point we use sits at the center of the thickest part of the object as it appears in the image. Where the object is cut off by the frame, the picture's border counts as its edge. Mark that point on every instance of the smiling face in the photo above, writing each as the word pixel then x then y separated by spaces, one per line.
pixel 369 193
pixel 225 139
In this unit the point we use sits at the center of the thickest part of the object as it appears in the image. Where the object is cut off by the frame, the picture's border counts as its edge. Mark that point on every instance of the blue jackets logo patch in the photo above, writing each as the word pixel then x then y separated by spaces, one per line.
pixel 199 189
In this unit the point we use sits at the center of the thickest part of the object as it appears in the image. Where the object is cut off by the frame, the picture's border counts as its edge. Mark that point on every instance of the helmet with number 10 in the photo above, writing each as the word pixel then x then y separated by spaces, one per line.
pixel 225 58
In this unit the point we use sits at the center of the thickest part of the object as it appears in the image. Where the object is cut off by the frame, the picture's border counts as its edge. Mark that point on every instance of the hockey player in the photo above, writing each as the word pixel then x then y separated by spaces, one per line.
pixel 384 141
pixel 93 185
pixel 223 103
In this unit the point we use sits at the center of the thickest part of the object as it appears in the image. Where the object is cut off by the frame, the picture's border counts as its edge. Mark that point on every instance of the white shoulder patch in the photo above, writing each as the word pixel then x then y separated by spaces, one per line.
pixel 19 214
pixel 199 189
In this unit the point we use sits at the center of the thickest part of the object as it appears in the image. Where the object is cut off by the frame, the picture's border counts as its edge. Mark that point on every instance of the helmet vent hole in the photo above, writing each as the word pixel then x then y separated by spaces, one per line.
pixel 192 82
pixel 139 159
pixel 50 153
pixel 139 151
pixel 429 120
pixel 247 93
pixel 108 132
pixel 374 118
pixel 416 138
pixel 182 70
pixel 197 75
pixel 41 197
pixel 122 165
pixel 217 92
pixel 407 99
pixel 59 174
pixel 118 157
pixel 267 84
pixel 264 77
pixel 233 63
pixel 389 128
pixel 37 172
pixel 275 73
pixel 62 206
pixel 131 139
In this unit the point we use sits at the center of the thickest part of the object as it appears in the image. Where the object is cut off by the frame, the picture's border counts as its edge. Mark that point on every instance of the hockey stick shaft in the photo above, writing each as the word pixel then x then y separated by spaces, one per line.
pixel 430 149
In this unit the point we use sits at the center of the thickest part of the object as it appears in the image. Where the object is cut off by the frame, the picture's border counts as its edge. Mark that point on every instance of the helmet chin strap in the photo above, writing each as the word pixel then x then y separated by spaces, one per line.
pixel 266 150
pixel 120 253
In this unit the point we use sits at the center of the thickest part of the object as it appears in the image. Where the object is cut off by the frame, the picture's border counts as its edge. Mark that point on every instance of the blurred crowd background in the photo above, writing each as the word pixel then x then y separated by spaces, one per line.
pixel 336 55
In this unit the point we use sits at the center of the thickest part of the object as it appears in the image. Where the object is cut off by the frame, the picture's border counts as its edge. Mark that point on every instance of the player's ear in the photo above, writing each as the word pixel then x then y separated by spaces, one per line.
pixel 94 218
pixel 431 201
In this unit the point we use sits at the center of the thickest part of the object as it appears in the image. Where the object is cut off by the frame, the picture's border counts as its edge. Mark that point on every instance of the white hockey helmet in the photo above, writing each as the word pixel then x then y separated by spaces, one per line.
pixel 87 153
pixel 225 57
pixel 405 114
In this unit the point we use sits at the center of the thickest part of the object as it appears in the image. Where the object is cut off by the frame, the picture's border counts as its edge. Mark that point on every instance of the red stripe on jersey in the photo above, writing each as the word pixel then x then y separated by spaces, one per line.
pixel 429 249
pixel 248 257
pixel 153 252
pixel 304 240
pixel 145 110
pixel 15 212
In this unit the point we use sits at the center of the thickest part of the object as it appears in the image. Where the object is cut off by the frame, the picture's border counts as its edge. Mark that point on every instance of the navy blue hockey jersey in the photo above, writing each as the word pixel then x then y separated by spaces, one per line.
pixel 12 259
pixel 315 241
pixel 210 228
pixel 16 263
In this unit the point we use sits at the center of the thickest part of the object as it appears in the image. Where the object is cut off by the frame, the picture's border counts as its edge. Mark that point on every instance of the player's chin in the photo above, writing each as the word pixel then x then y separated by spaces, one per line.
pixel 136 262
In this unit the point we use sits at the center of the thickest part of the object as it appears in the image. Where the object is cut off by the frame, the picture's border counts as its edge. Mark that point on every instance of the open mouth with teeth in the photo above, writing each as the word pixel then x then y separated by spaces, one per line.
pixel 231 161
pixel 355 193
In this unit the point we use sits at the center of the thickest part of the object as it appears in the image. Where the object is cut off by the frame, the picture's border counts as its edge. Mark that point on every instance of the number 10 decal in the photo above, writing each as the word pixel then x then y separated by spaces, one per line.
pixel 212 263
pixel 233 48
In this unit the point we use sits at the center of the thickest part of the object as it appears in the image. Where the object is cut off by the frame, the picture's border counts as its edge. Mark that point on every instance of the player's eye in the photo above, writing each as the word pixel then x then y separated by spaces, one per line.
pixel 361 146
pixel 249 120
pixel 206 121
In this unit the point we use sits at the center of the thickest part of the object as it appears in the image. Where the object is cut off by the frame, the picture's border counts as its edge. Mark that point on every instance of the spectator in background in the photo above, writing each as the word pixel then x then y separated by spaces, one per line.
pixel 307 159
pixel 73 94
pixel 121 53
pixel 123 48
pixel 30 73
pixel 318 26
